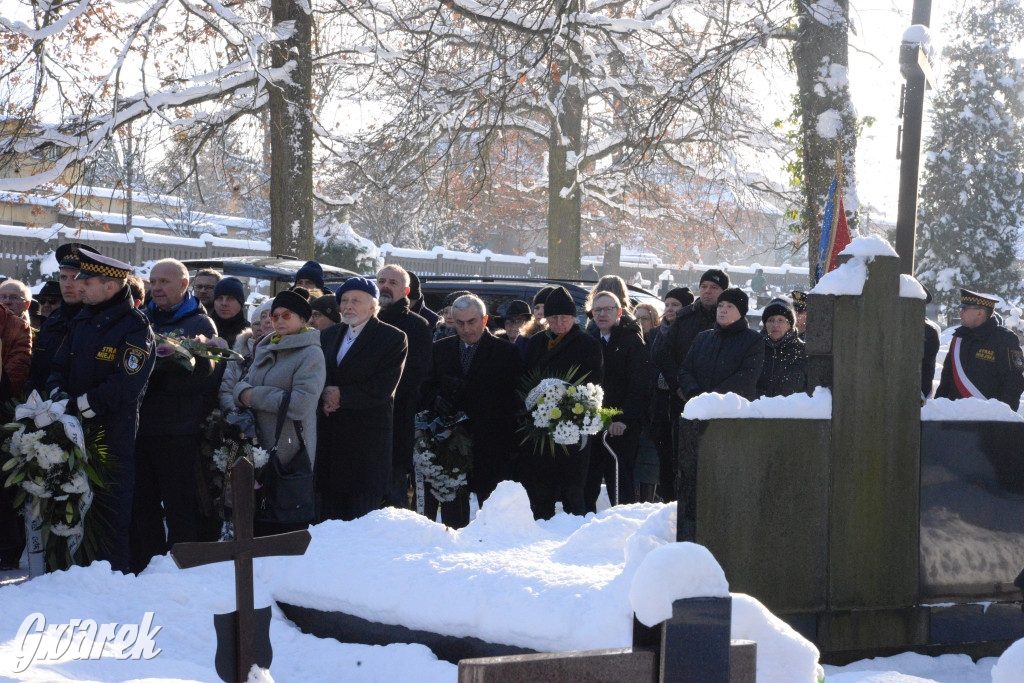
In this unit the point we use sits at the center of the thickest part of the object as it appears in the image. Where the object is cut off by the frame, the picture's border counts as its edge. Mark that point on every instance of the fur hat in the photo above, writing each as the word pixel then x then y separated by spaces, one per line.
pixel 737 297
pixel 294 303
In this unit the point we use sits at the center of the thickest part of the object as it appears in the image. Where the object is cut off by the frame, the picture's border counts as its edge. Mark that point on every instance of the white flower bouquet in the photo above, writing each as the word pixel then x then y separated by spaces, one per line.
pixel 443 454
pixel 55 466
pixel 562 413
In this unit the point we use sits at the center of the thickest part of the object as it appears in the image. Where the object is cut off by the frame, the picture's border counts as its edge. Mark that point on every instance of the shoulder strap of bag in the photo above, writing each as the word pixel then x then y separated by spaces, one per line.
pixel 282 415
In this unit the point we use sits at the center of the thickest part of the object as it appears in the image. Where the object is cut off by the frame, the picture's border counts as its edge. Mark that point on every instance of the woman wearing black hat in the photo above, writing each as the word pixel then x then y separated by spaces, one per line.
pixel 785 360
pixel 288 363
pixel 727 358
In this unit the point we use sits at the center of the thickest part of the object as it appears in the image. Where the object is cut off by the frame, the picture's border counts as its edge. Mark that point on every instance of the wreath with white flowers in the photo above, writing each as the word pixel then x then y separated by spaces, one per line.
pixel 561 412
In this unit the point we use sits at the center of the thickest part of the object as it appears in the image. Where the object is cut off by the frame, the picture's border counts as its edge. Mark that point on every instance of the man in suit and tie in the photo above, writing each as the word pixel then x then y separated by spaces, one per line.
pixel 364 359
pixel 477 373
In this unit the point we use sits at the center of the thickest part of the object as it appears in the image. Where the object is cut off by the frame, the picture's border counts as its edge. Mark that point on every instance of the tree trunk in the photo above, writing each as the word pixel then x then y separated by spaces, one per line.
pixel 291 137
pixel 821 56
pixel 564 149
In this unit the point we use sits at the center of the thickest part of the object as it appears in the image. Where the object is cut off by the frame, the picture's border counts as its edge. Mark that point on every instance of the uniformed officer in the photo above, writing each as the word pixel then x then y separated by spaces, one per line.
pixel 103 366
pixel 984 359
pixel 800 309
pixel 53 332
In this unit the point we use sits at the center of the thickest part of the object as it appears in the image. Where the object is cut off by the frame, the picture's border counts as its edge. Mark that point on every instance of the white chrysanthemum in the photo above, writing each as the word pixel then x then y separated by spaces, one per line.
pixel 541 418
pixel 48 455
pixel 14 445
pixel 79 483
pixel 592 424
pixel 259 457
pixel 36 488
pixel 566 433
pixel 220 458
pixel 62 529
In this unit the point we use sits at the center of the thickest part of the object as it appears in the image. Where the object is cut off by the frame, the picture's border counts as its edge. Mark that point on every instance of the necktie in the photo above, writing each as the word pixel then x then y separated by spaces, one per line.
pixel 466 357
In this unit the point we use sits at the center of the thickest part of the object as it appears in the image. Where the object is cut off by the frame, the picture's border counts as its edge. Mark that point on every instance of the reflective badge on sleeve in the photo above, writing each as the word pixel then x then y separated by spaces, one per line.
pixel 1017 358
pixel 134 359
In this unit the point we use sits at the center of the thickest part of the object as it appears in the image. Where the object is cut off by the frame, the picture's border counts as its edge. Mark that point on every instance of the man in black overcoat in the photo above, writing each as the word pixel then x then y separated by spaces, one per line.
pixel 364 359
pixel 393 283
pixel 553 353
pixel 479 374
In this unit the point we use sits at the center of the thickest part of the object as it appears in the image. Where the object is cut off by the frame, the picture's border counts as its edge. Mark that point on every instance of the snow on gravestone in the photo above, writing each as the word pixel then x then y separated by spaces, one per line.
pixel 1010 667
pixel 848 279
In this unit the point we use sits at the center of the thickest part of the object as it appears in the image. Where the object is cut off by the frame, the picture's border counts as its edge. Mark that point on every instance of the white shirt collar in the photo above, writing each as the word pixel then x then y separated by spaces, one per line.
pixel 354 331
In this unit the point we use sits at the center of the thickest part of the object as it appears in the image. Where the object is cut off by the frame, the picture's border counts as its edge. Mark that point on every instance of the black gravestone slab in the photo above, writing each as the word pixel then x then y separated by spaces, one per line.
pixel 347 628
pixel 624 665
pixel 695 641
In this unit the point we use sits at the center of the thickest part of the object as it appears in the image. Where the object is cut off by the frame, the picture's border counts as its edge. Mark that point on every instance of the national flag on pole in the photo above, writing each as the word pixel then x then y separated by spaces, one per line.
pixel 835 233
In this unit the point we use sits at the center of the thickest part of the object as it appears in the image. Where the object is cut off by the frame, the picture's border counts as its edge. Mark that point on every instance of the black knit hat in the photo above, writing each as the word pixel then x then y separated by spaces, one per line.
pixel 717 276
pixel 559 302
pixel 294 303
pixel 455 296
pixel 313 271
pixel 542 296
pixel 230 286
pixel 328 307
pixel 414 287
pixel 681 294
pixel 737 297
pixel 778 307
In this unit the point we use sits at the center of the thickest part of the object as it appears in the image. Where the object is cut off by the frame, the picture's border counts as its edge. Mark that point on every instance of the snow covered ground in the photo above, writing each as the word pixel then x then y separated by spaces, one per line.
pixel 560 584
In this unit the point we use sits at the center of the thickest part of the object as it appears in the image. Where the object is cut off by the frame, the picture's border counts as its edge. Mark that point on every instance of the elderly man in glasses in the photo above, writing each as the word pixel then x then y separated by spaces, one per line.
pixel 364 358
pixel 175 405
pixel 16 296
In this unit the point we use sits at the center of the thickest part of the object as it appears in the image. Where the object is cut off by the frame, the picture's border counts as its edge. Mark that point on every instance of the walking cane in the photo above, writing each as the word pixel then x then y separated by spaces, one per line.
pixel 604 440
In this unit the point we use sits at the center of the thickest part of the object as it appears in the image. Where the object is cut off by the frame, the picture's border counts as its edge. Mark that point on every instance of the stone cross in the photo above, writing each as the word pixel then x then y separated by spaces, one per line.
pixel 243 636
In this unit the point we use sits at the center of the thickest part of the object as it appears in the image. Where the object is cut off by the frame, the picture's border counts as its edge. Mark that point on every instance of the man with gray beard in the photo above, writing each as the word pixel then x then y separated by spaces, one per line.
pixel 393 283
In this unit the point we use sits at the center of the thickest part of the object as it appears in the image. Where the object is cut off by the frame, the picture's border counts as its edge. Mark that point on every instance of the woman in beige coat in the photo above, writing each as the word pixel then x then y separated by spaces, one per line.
pixel 287 361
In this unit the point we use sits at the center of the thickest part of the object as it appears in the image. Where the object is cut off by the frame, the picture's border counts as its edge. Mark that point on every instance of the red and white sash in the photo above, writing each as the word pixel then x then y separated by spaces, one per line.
pixel 963 383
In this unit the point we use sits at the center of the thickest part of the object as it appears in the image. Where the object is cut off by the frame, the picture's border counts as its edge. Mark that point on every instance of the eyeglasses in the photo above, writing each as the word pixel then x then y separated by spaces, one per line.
pixel 12 297
pixel 204 287
pixel 285 316
pixel 604 310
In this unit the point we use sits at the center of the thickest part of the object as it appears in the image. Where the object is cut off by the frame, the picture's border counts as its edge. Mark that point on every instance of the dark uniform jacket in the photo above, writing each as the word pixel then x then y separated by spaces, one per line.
pixel 109 358
pixel 576 350
pixel 627 371
pixel 671 350
pixel 991 358
pixel 48 340
pixel 419 336
pixel 488 394
pixel 354 442
pixel 177 400
pixel 785 366
pixel 722 360
pixel 931 352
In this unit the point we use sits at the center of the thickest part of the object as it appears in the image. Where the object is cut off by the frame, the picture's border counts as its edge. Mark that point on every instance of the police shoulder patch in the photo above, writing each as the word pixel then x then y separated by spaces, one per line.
pixel 134 358
pixel 1017 359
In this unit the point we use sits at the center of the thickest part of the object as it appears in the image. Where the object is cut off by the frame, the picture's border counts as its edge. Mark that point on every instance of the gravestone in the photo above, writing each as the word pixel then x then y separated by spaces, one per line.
pixel 693 646
pixel 243 636
pixel 819 519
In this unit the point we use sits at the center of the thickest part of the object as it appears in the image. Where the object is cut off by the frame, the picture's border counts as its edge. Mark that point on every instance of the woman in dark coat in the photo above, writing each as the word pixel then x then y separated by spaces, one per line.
pixel 661 409
pixel 727 358
pixel 364 359
pixel 627 387
pixel 785 360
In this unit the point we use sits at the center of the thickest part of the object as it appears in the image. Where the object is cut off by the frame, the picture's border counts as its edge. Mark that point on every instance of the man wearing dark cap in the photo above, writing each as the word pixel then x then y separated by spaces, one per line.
pixel 364 359
pixel 103 366
pixel 393 284
pixel 416 304
pixel 48 298
pixel 984 359
pixel 229 309
pixel 53 332
pixel 170 421
pixel 311 277
pixel 325 312
pixel 553 353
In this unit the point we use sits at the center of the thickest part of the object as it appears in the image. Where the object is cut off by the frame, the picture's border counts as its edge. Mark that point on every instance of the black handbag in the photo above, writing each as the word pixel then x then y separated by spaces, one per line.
pixel 286 493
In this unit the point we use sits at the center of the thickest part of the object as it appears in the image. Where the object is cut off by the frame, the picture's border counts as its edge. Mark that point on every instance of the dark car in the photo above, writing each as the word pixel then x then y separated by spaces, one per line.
pixel 274 268
pixel 498 292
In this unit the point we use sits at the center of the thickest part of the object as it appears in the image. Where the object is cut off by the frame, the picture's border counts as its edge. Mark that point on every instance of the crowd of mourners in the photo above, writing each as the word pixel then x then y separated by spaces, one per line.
pixel 331 382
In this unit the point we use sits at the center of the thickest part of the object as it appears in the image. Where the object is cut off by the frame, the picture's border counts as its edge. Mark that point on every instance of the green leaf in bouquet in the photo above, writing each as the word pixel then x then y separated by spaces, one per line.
pixel 69 512
pixel 13 426
pixel 14 478
pixel 19 498
pixel 91 473
pixel 10 464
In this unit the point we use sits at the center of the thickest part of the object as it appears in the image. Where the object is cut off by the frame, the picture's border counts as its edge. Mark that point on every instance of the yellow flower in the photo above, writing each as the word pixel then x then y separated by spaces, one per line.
pixel 571 391
pixel 540 400
pixel 578 409
pixel 555 414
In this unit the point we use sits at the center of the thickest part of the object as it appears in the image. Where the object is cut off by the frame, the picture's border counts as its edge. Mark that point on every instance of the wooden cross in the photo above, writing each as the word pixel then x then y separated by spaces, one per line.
pixel 243 636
